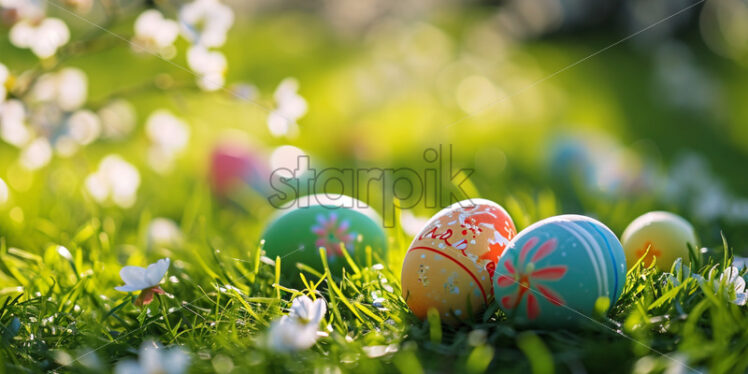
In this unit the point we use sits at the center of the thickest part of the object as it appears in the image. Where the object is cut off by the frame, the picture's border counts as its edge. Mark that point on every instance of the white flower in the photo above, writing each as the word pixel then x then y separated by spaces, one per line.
pixel 65 253
pixel 68 88
pixel 210 67
pixel 115 179
pixel 740 262
pixel 299 329
pixel 733 282
pixel 290 106
pixel 84 126
pixel 167 131
pixel 117 119
pixel 169 135
pixel 153 358
pixel 4 193
pixel 308 311
pixel 205 22
pixel 43 38
pixel 154 33
pixel 163 231
pixel 23 9
pixel 13 128
pixel 147 280
pixel 4 75
pixel 36 154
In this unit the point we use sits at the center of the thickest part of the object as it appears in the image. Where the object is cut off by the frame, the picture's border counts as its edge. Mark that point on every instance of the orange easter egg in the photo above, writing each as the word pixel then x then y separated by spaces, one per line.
pixel 450 263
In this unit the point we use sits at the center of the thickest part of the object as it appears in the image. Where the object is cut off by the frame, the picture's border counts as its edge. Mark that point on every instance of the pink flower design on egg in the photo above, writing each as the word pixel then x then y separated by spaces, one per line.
pixel 332 235
pixel 531 280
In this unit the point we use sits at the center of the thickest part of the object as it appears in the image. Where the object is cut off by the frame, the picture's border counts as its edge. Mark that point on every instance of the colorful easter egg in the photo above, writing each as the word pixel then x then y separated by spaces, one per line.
pixel 451 261
pixel 316 221
pixel 554 271
pixel 665 234
pixel 234 168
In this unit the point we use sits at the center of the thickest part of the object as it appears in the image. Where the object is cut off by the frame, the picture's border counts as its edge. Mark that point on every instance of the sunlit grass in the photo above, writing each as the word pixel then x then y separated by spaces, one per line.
pixel 222 298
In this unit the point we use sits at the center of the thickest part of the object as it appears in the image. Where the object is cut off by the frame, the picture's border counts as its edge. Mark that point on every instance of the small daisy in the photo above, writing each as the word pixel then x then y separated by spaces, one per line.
pixel 144 279
pixel 733 282
pixel 299 329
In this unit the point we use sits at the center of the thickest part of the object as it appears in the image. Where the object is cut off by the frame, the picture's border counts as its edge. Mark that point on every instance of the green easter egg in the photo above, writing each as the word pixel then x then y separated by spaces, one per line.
pixel 316 221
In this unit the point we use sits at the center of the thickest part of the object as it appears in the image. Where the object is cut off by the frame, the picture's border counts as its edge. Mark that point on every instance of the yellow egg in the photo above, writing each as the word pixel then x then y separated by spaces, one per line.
pixel 665 234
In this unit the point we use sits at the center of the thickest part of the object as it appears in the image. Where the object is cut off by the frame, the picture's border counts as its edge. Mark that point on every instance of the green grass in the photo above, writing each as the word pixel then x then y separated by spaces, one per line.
pixel 60 314
pixel 224 298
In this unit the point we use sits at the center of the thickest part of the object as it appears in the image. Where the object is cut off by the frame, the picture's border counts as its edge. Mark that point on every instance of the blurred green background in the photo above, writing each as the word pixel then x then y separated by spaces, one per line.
pixel 527 93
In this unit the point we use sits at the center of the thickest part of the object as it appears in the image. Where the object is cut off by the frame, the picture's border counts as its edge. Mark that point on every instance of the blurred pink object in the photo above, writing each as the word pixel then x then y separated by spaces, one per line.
pixel 234 167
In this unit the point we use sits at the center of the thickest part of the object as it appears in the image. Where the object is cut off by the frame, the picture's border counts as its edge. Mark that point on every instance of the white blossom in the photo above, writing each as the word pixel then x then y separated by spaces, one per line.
pixel 154 33
pixel 307 310
pixel 290 106
pixel 43 38
pixel 24 9
pixel 169 135
pixel 67 88
pixel 153 358
pixel 115 179
pixel 36 154
pixel 167 131
pixel 299 329
pixel 147 280
pixel 137 278
pixel 733 282
pixel 13 128
pixel 83 127
pixel 205 22
pixel 4 75
pixel 4 192
pixel 210 67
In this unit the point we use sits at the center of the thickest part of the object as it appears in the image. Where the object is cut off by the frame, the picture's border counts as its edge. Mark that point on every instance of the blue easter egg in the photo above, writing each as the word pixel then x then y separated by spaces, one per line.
pixel 554 271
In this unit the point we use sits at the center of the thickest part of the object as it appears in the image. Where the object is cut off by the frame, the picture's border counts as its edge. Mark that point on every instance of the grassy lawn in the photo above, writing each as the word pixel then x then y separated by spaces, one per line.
pixel 375 100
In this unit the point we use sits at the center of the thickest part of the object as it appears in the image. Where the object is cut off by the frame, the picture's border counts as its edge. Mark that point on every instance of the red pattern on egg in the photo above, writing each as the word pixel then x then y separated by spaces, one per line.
pixel 459 248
